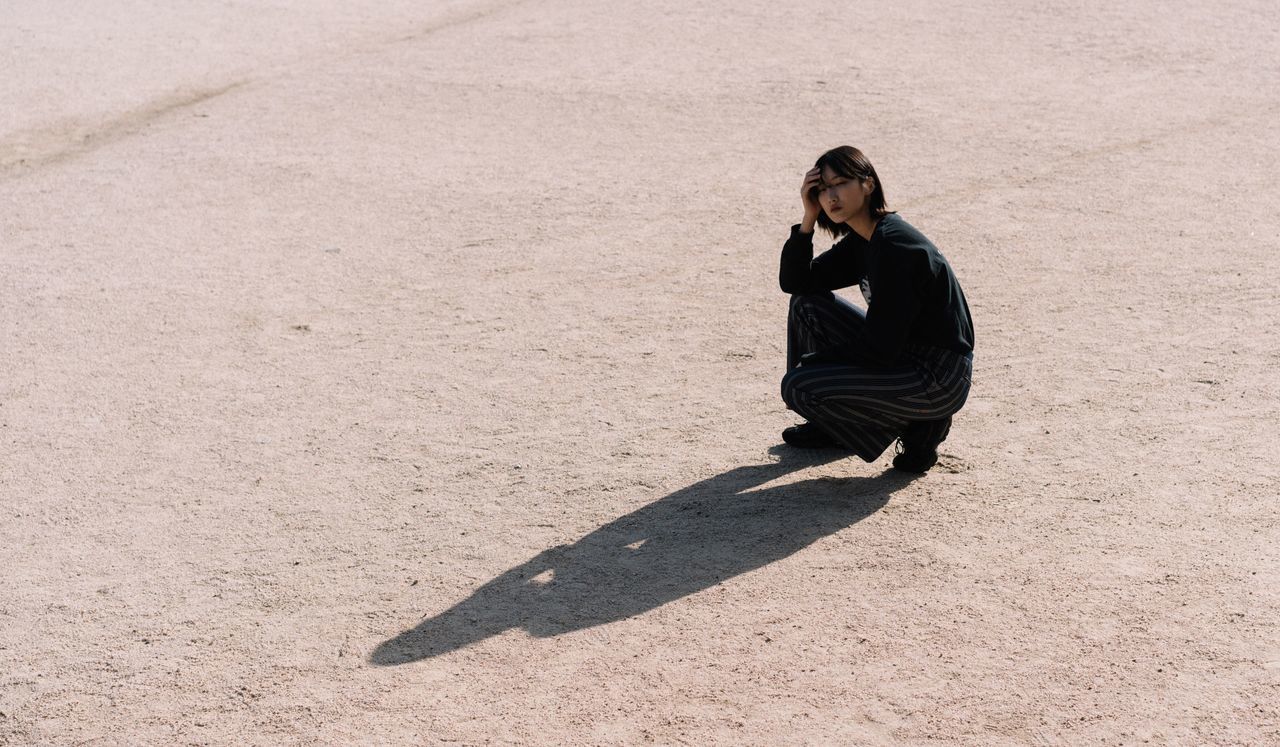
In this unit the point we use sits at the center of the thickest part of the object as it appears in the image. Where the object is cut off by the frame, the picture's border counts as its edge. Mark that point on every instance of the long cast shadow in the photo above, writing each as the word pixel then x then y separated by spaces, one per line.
pixel 683 543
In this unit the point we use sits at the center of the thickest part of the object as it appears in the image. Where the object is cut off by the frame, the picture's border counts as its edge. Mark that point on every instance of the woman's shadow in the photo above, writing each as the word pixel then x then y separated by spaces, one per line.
pixel 688 541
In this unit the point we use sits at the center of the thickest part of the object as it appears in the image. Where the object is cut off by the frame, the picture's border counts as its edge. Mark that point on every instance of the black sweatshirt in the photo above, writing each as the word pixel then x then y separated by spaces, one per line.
pixel 912 295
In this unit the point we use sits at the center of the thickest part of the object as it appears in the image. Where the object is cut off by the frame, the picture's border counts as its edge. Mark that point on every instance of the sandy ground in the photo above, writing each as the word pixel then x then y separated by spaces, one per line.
pixel 410 375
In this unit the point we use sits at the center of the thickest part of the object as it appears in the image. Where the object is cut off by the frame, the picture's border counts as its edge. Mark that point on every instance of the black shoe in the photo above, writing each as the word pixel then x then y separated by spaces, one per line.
pixel 809 436
pixel 919 445
pixel 916 461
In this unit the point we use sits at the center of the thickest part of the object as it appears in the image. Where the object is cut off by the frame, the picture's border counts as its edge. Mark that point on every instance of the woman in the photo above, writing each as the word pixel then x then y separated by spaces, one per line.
pixel 901 369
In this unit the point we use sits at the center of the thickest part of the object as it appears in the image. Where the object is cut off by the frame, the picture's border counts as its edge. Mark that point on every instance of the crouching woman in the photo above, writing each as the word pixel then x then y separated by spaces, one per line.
pixel 901 369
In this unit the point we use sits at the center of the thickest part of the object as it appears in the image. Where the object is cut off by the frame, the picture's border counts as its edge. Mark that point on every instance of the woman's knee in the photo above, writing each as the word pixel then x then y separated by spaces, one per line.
pixel 828 311
pixel 802 301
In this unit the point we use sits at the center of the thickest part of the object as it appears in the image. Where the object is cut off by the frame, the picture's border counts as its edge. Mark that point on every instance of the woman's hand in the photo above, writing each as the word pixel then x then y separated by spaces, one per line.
pixel 809 198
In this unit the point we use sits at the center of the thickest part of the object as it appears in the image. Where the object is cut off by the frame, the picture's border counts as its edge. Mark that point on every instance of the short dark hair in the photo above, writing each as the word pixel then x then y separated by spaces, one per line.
pixel 851 163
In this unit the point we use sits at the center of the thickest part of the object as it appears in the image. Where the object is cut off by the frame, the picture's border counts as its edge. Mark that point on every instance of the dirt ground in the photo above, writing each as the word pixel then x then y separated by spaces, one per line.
pixel 409 374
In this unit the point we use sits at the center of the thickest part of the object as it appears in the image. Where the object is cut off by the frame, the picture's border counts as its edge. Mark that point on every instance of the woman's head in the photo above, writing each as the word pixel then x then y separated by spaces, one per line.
pixel 849 186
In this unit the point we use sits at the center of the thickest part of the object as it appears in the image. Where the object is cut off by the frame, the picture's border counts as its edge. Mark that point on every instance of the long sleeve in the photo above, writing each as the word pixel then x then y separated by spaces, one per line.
pixel 800 272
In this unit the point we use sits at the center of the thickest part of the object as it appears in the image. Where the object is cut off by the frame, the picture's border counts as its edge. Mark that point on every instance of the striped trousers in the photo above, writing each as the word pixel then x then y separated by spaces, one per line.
pixel 863 406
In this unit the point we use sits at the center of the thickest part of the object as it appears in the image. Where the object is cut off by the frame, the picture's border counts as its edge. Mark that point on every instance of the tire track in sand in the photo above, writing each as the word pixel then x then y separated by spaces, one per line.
pixel 27 150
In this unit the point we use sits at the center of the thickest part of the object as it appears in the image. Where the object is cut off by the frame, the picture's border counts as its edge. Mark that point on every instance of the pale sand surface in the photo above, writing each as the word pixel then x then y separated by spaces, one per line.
pixel 460 321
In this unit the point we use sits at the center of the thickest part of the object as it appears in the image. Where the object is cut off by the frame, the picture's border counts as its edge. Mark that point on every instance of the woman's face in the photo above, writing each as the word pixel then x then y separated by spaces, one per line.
pixel 842 197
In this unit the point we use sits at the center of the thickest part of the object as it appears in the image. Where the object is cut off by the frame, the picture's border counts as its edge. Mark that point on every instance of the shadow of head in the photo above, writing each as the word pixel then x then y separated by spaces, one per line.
pixel 688 541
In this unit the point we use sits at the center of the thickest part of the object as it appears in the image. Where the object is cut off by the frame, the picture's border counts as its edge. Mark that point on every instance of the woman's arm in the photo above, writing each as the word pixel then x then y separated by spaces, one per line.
pixel 809 187
pixel 799 271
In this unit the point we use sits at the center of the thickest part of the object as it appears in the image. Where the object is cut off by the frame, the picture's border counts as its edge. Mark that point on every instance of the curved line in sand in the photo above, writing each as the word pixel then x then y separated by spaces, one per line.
pixel 26 150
